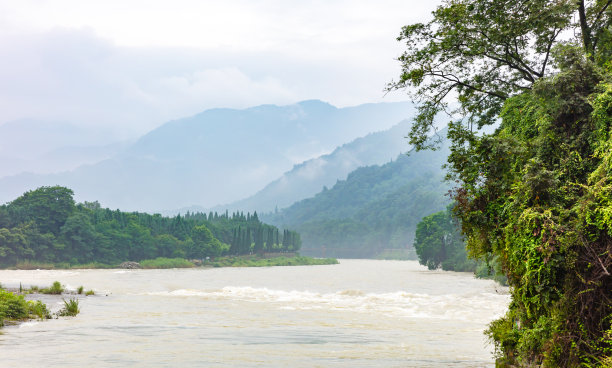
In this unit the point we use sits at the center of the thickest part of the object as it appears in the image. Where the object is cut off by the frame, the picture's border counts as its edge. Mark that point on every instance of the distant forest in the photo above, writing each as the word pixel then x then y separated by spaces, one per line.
pixel 46 225
pixel 376 208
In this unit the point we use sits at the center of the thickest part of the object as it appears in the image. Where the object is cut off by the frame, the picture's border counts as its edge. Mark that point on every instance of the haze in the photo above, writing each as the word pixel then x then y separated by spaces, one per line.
pixel 130 66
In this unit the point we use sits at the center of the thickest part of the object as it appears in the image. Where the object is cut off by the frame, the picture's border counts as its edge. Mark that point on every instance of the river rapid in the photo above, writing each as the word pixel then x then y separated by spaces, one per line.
pixel 359 313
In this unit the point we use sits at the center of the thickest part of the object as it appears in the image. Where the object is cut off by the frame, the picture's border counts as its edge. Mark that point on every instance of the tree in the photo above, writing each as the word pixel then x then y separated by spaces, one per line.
pixel 486 51
pixel 204 243
pixel 535 194
pixel 79 235
pixel 48 207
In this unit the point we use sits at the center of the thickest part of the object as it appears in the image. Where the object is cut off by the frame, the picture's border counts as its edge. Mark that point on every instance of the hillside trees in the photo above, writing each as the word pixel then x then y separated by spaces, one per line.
pixel 535 194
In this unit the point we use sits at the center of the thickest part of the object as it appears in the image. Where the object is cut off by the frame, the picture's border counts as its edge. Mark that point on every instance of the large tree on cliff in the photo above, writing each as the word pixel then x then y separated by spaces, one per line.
pixel 537 193
pixel 484 51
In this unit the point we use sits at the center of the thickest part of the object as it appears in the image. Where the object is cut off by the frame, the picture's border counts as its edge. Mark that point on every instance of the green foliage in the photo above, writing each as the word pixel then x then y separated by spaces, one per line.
pixel 15 307
pixel 43 229
pixel 56 288
pixel 162 262
pixel 438 243
pixel 80 290
pixel 486 51
pixel 89 292
pixel 375 208
pixel 535 195
pixel 38 309
pixel 540 203
pixel 256 261
pixel 70 309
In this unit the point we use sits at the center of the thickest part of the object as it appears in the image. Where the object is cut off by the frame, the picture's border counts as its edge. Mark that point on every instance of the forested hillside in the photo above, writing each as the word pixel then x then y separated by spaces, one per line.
pixel 307 178
pixel 46 225
pixel 375 208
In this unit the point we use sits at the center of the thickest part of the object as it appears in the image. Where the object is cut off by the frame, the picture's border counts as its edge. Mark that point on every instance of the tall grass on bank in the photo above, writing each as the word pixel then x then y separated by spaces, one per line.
pixel 70 309
pixel 33 265
pixel 55 289
pixel 162 262
pixel 255 261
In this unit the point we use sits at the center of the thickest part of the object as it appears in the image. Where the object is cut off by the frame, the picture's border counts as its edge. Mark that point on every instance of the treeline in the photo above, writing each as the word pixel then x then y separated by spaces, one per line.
pixel 46 225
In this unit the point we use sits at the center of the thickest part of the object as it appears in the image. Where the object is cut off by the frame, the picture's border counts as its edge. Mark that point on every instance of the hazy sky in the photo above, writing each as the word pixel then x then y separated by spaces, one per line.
pixel 133 65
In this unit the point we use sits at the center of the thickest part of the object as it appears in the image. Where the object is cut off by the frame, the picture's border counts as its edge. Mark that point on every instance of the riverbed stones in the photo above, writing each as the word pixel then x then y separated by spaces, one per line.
pixel 130 265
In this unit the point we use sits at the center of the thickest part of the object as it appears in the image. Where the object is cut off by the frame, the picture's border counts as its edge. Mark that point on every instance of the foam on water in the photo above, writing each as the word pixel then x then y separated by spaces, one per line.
pixel 394 304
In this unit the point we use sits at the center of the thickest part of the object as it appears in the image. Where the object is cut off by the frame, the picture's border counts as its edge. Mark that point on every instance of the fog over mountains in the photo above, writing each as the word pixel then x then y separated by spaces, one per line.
pixel 308 178
pixel 222 155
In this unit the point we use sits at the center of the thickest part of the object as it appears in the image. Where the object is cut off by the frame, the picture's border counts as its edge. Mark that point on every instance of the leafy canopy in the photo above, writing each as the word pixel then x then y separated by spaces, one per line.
pixel 485 51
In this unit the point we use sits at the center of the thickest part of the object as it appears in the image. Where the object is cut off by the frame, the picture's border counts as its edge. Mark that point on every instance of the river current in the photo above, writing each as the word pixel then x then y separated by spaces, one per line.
pixel 359 313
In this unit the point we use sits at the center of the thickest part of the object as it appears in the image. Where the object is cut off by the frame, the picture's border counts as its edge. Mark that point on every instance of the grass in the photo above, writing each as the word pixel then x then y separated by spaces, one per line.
pixel 256 261
pixel 14 307
pixel 55 289
pixel 402 254
pixel 71 308
pixel 80 290
pixel 33 265
pixel 162 262
pixel 89 292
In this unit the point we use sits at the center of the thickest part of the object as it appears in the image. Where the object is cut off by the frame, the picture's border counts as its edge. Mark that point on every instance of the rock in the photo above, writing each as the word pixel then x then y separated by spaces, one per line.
pixel 130 265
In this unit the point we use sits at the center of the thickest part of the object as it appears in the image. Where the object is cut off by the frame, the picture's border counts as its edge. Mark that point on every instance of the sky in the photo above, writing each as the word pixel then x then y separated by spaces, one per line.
pixel 131 65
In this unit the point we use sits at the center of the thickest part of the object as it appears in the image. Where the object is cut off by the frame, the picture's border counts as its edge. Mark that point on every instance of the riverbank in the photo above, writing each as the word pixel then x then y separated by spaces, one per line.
pixel 21 304
pixel 163 263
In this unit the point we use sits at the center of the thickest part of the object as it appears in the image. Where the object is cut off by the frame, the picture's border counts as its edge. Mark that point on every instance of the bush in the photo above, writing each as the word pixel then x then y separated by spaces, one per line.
pixel 71 308
pixel 38 309
pixel 56 289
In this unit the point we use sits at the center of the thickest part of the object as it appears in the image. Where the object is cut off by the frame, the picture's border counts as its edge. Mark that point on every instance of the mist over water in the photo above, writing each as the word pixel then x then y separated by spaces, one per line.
pixel 360 313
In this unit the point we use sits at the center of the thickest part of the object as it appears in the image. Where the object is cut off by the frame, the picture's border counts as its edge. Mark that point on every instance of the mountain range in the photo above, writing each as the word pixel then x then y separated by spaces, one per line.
pixel 222 155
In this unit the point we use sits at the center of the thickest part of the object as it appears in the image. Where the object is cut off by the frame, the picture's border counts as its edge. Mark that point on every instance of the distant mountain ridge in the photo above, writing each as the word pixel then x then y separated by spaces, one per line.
pixel 308 178
pixel 377 207
pixel 217 156
pixel 43 147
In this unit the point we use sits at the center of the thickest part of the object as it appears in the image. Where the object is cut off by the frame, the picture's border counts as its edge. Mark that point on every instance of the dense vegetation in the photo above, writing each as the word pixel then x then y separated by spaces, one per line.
pixel 439 244
pixel 14 307
pixel 375 208
pixel 46 225
pixel 537 193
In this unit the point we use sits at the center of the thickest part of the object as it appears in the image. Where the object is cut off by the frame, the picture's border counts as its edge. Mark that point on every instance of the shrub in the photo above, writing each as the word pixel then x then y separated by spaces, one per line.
pixel 38 309
pixel 56 288
pixel 71 308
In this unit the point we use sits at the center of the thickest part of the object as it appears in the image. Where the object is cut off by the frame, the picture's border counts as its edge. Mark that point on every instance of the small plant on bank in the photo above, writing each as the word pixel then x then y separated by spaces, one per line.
pixel 80 290
pixel 89 292
pixel 71 308
pixel 56 289
pixel 38 309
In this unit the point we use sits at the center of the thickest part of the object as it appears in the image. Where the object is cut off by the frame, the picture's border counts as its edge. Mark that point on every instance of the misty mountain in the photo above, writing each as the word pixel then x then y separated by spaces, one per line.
pixel 375 208
pixel 309 177
pixel 44 147
pixel 217 156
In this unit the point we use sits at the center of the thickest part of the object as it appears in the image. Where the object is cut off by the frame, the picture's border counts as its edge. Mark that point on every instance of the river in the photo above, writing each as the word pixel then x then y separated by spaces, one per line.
pixel 359 313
